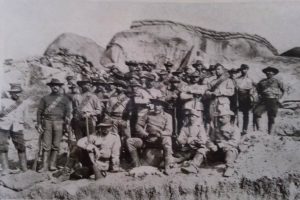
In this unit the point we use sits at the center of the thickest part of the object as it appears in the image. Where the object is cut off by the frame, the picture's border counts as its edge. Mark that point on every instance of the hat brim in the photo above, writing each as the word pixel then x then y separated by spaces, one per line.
pixel 51 84
pixel 15 91
pixel 80 83
pixel 270 69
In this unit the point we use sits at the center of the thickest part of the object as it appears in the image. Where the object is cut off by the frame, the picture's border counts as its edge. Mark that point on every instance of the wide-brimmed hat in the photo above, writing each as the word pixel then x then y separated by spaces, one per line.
pixel 270 69
pixel 197 63
pixel 131 63
pixel 119 83
pixel 211 68
pixel 15 87
pixel 190 112
pixel 176 73
pixel 106 123
pixel 134 83
pixel 149 76
pixel 99 81
pixel 55 81
pixel 68 78
pixel 174 79
pixel 244 66
pixel 159 102
pixel 83 82
pixel 168 64
pixel 223 112
pixel 195 74
pixel 162 72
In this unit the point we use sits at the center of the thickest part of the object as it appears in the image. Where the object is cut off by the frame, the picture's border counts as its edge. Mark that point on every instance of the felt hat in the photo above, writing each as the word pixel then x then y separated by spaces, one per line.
pixel 270 69
pixel 106 123
pixel 244 66
pixel 54 81
pixel 84 81
pixel 159 102
pixel 15 87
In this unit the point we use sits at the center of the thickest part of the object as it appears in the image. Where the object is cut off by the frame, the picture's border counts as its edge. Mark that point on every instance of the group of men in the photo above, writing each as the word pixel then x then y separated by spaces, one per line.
pixel 185 114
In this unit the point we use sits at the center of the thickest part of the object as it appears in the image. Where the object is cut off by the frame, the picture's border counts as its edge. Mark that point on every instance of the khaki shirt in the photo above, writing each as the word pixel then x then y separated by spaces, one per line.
pixel 244 83
pixel 87 102
pixel 117 104
pixel 109 146
pixel 16 118
pixel 270 88
pixel 190 133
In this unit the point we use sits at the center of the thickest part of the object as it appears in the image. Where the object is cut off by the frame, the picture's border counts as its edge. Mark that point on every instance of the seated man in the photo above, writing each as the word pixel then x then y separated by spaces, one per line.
pixel 102 148
pixel 155 131
pixel 226 139
pixel 193 139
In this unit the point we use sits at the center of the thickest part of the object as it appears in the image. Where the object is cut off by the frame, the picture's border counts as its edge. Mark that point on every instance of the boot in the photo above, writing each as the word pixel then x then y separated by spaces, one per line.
pixel 135 158
pixel 257 123
pixel 97 172
pixel 169 161
pixel 228 172
pixel 23 161
pixel 53 157
pixel 45 162
pixel 190 169
pixel 270 128
pixel 4 163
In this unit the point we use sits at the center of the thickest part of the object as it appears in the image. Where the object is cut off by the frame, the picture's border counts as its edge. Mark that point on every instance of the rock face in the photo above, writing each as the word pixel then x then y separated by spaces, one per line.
pixel 158 41
pixel 76 45
pixel 294 52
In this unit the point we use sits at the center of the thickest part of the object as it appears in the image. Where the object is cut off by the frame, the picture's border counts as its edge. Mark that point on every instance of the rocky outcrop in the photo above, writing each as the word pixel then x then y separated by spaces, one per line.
pixel 72 44
pixel 294 52
pixel 158 41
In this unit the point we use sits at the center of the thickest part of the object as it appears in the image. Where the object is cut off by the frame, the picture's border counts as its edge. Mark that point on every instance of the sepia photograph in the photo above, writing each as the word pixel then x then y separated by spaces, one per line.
pixel 137 100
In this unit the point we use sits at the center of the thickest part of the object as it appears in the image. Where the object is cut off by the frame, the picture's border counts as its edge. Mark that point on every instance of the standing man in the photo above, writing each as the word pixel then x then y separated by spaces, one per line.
pixel 54 112
pixel 12 117
pixel 219 91
pixel 270 90
pixel 245 86
pixel 86 108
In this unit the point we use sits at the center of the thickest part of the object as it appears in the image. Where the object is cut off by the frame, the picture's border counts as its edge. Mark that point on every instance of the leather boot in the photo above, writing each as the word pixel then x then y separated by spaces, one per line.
pixel 257 123
pixel 45 162
pixel 270 128
pixel 23 161
pixel 169 161
pixel 4 163
pixel 97 172
pixel 135 158
pixel 53 157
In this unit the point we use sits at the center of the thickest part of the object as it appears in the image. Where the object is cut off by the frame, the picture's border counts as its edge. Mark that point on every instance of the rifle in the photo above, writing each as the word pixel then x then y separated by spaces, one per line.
pixel 38 153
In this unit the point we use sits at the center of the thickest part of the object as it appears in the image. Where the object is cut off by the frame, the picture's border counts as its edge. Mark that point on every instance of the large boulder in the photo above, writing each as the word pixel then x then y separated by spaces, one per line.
pixel 72 44
pixel 158 41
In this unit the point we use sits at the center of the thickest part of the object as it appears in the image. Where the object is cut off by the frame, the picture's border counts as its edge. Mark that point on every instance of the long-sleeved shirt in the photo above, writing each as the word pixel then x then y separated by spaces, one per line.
pixel 156 124
pixel 108 145
pixel 87 102
pixel 224 89
pixel 244 83
pixel 54 107
pixel 190 133
pixel 270 88
pixel 17 117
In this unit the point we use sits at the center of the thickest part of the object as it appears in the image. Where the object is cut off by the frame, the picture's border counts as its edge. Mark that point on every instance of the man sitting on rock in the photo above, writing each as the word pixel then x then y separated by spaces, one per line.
pixel 156 132
pixel 193 139
pixel 102 148
pixel 226 139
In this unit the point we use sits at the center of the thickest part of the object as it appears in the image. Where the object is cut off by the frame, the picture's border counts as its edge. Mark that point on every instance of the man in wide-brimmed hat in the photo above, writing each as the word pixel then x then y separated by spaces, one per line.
pixel 13 119
pixel 86 108
pixel 270 90
pixel 53 113
pixel 155 131
pixel 103 149
pixel 148 81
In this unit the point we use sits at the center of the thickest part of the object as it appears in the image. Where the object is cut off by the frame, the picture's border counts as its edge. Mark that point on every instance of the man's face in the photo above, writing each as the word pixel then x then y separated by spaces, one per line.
pixel 219 70
pixel 193 119
pixel 104 130
pixel 86 87
pixel 55 88
pixel 15 95
pixel 225 119
pixel 270 74
pixel 244 71
pixel 194 79
pixel 158 109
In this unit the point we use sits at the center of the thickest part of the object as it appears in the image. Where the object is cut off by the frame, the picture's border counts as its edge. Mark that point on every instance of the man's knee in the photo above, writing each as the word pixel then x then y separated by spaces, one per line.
pixel 134 143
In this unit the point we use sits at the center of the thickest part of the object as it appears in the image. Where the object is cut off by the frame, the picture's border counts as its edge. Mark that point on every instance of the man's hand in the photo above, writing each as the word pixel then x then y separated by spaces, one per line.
pixel 39 128
pixel 152 139
pixel 212 146
pixel 221 145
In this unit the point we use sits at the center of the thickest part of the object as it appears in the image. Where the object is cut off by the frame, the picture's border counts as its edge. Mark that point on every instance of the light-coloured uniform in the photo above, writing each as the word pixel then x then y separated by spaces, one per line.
pixel 107 147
